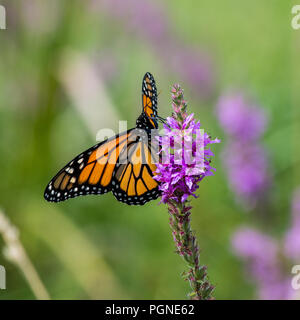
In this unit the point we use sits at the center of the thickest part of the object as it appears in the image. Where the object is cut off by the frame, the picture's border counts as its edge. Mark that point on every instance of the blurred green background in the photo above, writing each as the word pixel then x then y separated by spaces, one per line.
pixel 69 68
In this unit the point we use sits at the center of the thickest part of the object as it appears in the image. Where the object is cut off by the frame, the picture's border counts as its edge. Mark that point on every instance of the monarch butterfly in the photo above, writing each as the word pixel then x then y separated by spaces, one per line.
pixel 123 164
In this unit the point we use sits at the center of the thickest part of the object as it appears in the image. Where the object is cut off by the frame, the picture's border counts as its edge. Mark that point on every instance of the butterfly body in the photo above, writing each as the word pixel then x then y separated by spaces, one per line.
pixel 123 164
pixel 143 122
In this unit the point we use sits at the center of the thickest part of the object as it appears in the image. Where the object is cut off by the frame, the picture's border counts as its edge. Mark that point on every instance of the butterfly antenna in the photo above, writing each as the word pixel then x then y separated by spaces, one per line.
pixel 163 120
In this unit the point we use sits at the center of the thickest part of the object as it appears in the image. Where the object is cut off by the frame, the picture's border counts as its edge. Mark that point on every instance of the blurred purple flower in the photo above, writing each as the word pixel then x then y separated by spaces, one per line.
pixel 245 160
pixel 266 259
pixel 240 119
pixel 140 16
pixel 247 169
pixel 148 20
pixel 292 240
pixel 259 250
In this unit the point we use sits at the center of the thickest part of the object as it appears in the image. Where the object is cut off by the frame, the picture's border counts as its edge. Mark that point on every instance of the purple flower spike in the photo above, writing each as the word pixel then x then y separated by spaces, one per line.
pixel 185 162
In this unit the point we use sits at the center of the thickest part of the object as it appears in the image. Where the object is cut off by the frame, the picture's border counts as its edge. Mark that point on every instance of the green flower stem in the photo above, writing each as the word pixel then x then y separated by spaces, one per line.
pixel 187 247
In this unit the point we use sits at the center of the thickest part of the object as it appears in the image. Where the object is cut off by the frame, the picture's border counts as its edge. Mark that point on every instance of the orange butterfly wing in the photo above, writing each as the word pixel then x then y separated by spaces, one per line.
pixel 89 173
pixel 133 181
pixel 123 164
pixel 149 98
